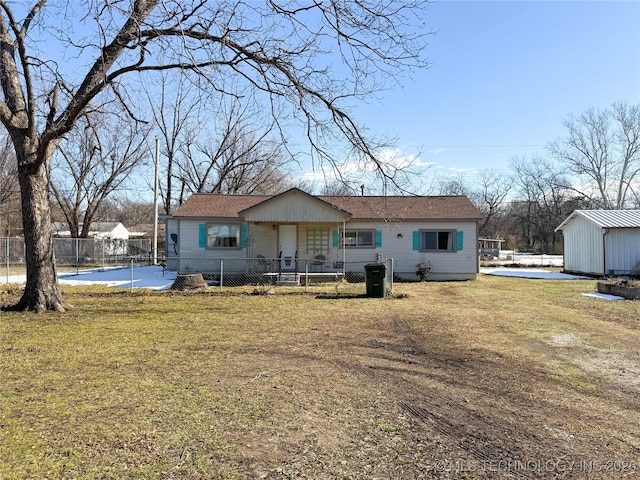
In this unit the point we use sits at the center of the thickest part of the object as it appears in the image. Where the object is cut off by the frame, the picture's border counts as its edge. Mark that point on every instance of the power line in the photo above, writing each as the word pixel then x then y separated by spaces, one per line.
pixel 483 146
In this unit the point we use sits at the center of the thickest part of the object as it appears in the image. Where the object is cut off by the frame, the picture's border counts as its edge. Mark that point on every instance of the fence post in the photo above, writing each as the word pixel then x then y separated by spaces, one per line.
pixel 7 254
pixel 221 274
pixel 132 275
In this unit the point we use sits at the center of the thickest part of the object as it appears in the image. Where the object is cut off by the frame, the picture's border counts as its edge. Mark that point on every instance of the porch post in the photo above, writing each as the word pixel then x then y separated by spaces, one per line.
pixel 344 249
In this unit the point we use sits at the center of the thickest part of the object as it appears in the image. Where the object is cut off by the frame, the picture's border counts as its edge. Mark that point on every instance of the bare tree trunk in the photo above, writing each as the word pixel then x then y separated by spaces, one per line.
pixel 41 291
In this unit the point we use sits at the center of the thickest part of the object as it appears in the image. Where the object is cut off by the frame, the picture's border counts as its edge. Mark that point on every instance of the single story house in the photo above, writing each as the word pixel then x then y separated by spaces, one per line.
pixel 333 232
pixel 104 238
pixel 97 230
pixel 601 242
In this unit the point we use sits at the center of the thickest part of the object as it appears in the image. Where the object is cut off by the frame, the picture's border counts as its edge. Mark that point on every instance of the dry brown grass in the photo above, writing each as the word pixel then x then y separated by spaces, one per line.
pixel 446 380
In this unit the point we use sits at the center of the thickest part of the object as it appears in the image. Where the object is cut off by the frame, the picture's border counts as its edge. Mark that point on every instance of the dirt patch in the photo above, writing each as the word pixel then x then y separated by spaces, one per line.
pixel 565 340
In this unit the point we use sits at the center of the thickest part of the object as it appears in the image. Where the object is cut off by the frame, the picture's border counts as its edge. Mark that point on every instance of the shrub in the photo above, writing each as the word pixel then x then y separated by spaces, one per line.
pixel 423 270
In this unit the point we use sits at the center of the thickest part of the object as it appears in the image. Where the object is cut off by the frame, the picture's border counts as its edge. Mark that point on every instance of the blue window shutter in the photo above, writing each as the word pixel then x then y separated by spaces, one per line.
pixel 202 238
pixel 416 240
pixel 336 238
pixel 460 240
pixel 378 238
pixel 243 235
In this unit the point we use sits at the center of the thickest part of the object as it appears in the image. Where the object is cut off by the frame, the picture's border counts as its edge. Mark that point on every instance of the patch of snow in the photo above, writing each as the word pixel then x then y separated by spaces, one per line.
pixel 530 273
pixel 604 296
pixel 152 277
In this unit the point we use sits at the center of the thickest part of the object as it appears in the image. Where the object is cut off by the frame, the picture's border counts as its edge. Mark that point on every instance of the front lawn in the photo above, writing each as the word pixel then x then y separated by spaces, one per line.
pixel 496 378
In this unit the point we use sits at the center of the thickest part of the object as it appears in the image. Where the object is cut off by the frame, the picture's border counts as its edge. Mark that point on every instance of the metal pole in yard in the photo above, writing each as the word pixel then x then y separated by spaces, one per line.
pixel 221 274
pixel 132 275
pixel 154 243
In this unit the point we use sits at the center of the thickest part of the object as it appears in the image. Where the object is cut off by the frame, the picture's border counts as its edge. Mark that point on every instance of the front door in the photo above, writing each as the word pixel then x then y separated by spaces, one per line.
pixel 288 239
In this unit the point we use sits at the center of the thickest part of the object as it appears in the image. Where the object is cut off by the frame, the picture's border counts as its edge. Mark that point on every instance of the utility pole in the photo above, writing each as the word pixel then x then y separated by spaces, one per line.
pixel 155 204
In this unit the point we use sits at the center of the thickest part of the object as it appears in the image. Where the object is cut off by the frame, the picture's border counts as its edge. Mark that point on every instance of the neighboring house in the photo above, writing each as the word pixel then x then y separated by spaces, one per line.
pixel 112 236
pixel 490 247
pixel 601 242
pixel 340 230
pixel 108 230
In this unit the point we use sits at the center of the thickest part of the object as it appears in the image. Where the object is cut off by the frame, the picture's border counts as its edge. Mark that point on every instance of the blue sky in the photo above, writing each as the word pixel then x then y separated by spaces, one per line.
pixel 505 74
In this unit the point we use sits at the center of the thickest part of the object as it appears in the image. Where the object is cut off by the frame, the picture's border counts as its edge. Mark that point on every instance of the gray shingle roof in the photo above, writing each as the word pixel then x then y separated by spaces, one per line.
pixel 202 205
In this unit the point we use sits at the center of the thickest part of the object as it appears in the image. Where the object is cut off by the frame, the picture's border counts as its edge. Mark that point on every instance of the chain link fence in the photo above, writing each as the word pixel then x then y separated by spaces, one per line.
pixel 257 275
pixel 78 253
pixel 314 275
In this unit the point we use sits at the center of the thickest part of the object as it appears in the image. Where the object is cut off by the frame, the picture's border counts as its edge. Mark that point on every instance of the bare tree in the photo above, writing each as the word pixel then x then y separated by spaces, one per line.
pixel 543 201
pixel 92 163
pixel 241 157
pixel 454 185
pixel 9 189
pixel 602 147
pixel 337 188
pixel 490 195
pixel 285 50
pixel 175 106
pixel 488 190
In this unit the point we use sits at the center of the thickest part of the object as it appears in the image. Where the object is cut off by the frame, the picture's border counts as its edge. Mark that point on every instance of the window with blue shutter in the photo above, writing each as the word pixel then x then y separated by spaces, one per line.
pixel 222 235
pixel 445 241
pixel 202 235
pixel 378 238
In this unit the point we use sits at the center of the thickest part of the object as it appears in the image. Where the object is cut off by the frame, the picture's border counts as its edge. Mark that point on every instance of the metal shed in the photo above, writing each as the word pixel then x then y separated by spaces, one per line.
pixel 601 242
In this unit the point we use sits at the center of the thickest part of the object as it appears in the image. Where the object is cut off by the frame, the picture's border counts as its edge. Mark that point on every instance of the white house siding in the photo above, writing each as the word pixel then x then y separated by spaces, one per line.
pixel 332 254
pixel 262 240
pixel 459 265
pixel 294 207
pixel 622 249
pixel 583 247
pixel 194 258
pixel 171 249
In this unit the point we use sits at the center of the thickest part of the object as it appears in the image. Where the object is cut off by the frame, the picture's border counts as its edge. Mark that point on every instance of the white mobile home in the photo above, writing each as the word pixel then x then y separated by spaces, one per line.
pixel 329 231
pixel 601 242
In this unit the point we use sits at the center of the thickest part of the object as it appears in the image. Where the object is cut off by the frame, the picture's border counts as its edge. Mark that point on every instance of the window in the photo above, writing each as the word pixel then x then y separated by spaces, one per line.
pixel 223 235
pixel 359 238
pixel 317 241
pixel 438 241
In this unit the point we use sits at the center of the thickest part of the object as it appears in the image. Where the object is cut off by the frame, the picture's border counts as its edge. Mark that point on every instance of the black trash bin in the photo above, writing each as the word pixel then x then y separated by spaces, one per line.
pixel 376 279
